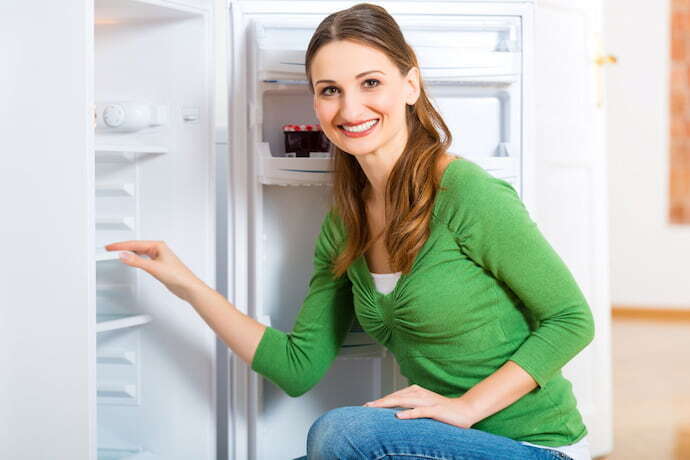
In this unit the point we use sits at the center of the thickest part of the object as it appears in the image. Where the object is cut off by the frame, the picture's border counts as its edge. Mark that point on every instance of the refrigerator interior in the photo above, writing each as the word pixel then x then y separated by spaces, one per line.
pixel 477 89
pixel 155 355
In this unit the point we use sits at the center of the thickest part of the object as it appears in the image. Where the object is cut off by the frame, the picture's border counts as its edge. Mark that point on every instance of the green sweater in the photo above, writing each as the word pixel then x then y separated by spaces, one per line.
pixel 485 288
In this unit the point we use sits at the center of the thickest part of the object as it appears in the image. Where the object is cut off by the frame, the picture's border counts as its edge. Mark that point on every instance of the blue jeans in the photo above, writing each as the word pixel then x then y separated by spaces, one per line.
pixel 359 432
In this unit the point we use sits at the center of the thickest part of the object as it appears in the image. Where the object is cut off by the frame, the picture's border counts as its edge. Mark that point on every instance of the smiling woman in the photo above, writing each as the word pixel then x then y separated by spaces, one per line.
pixel 372 105
pixel 481 314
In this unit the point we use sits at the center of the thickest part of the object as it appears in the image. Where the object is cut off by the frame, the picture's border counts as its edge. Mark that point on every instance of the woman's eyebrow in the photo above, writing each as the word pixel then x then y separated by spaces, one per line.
pixel 359 75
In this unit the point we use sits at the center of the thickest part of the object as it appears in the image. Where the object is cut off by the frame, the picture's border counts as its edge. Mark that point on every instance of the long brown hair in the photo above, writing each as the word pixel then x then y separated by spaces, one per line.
pixel 413 183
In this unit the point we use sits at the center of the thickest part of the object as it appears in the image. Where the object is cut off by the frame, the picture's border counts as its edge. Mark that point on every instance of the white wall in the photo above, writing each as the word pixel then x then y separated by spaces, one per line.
pixel 649 257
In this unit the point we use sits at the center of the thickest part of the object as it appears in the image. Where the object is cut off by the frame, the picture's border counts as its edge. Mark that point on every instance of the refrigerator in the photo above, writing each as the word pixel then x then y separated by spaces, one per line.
pixel 113 135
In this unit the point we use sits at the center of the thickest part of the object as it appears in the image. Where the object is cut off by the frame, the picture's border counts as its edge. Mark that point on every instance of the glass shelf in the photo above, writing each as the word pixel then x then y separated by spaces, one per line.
pixel 111 322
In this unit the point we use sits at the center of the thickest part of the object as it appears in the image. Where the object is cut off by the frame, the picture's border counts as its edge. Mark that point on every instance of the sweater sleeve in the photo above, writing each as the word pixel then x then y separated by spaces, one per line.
pixel 494 229
pixel 297 360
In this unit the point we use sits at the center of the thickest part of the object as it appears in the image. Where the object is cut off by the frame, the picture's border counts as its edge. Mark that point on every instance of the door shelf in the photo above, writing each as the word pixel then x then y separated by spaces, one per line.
pixel 112 322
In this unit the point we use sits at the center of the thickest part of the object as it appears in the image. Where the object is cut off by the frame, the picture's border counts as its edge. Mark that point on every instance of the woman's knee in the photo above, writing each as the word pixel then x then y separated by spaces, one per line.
pixel 335 433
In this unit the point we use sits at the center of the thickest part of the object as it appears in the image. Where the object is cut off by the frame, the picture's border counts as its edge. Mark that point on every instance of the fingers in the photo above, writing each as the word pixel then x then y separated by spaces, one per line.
pixel 411 396
pixel 146 247
pixel 138 262
pixel 403 392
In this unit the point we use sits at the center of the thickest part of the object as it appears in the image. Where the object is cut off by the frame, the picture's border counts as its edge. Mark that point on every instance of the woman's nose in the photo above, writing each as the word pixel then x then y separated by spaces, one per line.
pixel 351 107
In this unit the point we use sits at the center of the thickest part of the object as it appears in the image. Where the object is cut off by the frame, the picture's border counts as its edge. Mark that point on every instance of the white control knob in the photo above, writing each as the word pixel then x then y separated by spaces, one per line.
pixel 113 115
pixel 129 116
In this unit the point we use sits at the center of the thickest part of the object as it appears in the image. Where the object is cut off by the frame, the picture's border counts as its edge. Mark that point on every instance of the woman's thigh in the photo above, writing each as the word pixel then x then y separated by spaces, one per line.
pixel 359 432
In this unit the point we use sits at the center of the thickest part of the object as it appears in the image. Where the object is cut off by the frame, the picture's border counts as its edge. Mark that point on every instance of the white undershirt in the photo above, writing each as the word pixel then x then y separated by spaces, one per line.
pixel 385 283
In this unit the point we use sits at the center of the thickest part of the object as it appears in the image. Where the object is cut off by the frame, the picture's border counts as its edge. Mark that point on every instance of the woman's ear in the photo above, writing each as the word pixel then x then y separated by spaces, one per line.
pixel 412 86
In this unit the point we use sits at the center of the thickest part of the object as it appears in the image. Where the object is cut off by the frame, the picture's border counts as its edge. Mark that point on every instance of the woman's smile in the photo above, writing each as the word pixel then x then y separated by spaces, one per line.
pixel 359 129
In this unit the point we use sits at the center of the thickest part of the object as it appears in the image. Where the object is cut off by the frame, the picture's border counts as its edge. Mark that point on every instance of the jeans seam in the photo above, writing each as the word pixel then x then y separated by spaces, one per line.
pixel 354 446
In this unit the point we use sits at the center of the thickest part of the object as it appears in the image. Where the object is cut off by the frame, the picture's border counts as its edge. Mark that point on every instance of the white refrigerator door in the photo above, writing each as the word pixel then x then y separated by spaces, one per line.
pixel 568 192
pixel 56 402
pixel 47 387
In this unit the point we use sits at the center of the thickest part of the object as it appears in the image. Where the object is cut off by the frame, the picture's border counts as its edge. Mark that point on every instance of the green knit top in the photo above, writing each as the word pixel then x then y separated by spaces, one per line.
pixel 486 287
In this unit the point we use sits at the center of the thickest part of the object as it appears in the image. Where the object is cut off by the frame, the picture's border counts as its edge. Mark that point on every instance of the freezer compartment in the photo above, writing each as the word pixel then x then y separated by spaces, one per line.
pixel 436 64
pixel 447 48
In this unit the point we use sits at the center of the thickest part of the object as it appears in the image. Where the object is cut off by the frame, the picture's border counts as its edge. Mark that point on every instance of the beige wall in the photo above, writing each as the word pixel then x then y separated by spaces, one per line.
pixel 649 257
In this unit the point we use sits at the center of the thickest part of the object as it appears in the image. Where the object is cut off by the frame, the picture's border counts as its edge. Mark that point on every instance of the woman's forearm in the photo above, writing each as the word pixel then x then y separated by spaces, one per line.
pixel 239 332
pixel 499 390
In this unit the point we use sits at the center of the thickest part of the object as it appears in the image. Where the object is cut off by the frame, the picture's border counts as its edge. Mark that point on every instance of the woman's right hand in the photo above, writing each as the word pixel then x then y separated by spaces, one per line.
pixel 163 264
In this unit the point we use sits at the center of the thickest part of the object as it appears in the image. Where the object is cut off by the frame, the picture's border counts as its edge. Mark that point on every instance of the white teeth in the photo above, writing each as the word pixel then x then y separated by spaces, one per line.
pixel 359 128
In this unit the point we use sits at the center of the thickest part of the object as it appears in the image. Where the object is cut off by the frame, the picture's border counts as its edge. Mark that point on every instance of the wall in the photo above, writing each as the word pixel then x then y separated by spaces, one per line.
pixel 648 255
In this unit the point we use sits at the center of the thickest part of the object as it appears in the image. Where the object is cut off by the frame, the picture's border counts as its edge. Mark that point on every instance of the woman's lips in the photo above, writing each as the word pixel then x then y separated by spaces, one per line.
pixel 358 133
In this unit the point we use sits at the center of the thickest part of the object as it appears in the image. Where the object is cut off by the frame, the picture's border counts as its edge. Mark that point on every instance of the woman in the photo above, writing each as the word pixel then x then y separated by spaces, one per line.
pixel 439 261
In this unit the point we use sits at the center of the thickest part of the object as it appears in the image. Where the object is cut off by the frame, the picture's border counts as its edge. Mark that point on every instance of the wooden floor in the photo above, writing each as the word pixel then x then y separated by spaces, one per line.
pixel 651 387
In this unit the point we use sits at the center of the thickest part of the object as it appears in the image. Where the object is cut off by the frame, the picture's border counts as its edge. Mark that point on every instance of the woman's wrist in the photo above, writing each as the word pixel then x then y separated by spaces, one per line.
pixel 465 407
pixel 194 290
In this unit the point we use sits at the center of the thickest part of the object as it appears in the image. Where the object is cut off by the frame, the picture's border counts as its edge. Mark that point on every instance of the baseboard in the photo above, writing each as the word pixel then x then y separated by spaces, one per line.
pixel 649 314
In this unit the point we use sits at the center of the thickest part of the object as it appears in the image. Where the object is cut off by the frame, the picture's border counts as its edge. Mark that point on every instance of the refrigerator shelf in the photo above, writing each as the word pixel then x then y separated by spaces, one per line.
pixel 115 189
pixel 111 322
pixel 106 256
pixel 111 152
pixel 117 392
pixel 115 223
pixel 108 12
pixel 292 171
pixel 319 171
pixel 116 357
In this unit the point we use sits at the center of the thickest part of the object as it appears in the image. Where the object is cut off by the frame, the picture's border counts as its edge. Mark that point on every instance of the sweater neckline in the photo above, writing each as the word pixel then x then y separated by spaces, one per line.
pixel 361 262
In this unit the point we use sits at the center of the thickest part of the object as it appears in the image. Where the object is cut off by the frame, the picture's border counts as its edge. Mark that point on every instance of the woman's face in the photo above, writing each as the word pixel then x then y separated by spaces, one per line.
pixel 360 98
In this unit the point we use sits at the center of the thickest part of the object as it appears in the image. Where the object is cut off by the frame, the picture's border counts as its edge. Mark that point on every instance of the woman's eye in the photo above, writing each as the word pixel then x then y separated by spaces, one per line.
pixel 327 91
pixel 371 82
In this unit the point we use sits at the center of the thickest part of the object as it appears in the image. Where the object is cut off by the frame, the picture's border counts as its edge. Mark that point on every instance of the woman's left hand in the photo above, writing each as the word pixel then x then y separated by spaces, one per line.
pixel 424 403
